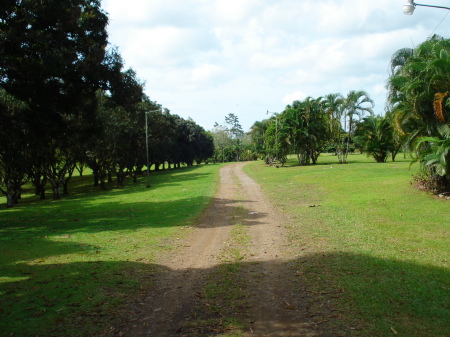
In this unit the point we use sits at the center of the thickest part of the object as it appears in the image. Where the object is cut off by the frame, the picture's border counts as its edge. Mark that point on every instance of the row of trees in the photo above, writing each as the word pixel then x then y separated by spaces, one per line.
pixel 307 128
pixel 66 102
pixel 416 119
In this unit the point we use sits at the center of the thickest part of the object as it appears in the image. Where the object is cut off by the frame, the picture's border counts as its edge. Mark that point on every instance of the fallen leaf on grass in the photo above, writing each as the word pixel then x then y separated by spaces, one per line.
pixel 76 304
pixel 393 330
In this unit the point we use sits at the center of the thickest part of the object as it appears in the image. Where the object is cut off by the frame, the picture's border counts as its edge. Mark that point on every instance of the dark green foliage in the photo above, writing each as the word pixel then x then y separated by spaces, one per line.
pixel 65 101
pixel 51 55
pixel 15 148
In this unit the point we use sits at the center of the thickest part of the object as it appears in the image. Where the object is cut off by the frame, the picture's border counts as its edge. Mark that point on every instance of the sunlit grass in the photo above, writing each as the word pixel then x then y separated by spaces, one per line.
pixel 374 249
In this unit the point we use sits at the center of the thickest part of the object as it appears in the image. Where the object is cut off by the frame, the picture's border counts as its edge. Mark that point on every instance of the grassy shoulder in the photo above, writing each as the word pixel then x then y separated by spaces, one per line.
pixel 374 250
pixel 67 267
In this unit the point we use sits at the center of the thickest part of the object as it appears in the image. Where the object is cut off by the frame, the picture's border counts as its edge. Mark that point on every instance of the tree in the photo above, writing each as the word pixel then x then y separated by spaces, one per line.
pixel 162 136
pixel 334 108
pixel 235 131
pixel 356 105
pixel 193 142
pixel 52 58
pixel 418 98
pixel 51 55
pixel 377 137
pixel 222 140
pixel 418 90
pixel 434 157
pixel 308 123
pixel 258 139
pixel 15 148
pixel 277 139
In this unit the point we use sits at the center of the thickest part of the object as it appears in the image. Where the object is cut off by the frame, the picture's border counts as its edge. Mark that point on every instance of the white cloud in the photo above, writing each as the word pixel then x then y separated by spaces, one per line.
pixel 207 74
pixel 207 58
pixel 294 96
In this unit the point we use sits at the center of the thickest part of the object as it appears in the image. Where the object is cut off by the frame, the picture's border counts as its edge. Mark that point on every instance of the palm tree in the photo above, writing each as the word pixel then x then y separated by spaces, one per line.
pixel 356 105
pixel 434 157
pixel 308 122
pixel 419 88
pixel 376 135
pixel 418 94
pixel 257 134
pixel 334 108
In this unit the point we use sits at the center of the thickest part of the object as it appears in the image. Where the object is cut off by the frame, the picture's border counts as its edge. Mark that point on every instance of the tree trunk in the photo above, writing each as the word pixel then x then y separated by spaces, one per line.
pixel 101 178
pixel 56 192
pixel 96 178
pixel 65 181
pixel 10 201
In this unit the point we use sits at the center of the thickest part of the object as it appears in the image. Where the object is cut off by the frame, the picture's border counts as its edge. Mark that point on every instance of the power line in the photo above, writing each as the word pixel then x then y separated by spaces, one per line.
pixel 438 24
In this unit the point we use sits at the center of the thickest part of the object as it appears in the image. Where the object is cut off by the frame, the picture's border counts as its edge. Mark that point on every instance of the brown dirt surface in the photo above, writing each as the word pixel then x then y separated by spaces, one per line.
pixel 275 304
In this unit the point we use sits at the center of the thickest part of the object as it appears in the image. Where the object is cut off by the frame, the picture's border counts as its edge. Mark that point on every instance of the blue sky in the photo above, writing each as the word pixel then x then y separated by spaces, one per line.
pixel 205 59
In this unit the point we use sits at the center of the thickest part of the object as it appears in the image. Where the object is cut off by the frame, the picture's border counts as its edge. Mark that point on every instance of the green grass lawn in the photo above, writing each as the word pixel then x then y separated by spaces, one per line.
pixel 375 250
pixel 68 267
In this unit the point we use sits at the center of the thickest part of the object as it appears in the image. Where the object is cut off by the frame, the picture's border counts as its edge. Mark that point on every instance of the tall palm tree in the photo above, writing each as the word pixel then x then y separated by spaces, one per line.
pixel 334 108
pixel 357 104
pixel 257 135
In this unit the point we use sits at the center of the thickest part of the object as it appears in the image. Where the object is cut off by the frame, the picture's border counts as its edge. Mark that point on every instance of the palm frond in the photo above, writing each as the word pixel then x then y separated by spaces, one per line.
pixel 444 130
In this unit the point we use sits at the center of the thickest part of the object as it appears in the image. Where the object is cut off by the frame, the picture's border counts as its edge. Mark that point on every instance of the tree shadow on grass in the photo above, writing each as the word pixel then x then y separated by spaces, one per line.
pixel 347 294
pixel 33 236
pixel 88 216
pixel 380 297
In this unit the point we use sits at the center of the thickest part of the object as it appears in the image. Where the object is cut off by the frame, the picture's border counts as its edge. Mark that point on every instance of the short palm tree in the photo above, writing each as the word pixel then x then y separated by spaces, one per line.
pixel 434 152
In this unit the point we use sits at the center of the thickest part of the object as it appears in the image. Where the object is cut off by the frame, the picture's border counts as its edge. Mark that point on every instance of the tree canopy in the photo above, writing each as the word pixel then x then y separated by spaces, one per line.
pixel 67 102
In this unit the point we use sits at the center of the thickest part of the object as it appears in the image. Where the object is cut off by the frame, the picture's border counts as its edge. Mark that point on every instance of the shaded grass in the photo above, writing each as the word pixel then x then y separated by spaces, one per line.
pixel 67 267
pixel 373 250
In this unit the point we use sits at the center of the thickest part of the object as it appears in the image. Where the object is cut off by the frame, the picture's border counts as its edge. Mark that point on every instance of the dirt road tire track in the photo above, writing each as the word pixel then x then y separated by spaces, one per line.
pixel 276 310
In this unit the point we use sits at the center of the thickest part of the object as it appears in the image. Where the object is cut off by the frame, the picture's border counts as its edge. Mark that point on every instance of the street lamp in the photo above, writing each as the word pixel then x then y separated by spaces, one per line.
pixel 410 6
pixel 146 145
pixel 276 132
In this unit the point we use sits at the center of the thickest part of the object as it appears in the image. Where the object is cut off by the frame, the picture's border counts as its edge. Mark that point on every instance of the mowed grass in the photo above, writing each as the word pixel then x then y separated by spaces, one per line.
pixel 373 251
pixel 68 267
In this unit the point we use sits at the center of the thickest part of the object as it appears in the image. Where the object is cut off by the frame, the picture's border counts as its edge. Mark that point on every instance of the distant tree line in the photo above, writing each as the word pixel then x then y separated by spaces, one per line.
pixel 309 127
pixel 231 143
pixel 66 103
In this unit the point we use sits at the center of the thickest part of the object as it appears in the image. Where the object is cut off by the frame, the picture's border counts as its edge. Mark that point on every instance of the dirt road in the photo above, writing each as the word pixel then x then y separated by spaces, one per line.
pixel 275 308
